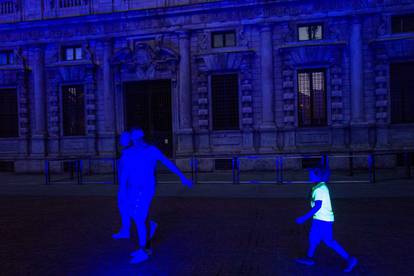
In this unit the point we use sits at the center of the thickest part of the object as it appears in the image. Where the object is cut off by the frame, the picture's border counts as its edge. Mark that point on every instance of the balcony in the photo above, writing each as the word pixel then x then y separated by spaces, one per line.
pixel 10 11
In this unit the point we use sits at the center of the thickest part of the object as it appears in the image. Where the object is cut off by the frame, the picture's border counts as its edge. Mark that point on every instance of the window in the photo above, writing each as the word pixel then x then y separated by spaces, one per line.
pixel 7 7
pixel 402 23
pixel 312 98
pixel 73 105
pixel 225 101
pixel 6 57
pixel 72 53
pixel 6 166
pixel 223 164
pixel 223 39
pixel 72 3
pixel 9 126
pixel 310 32
pixel 402 96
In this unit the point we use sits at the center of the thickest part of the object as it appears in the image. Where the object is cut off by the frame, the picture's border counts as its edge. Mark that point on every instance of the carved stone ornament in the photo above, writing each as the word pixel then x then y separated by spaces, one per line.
pixel 145 60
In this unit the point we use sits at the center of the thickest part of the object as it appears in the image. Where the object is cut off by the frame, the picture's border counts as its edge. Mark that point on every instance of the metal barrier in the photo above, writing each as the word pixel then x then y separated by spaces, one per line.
pixel 279 163
pixel 280 170
pixel 77 169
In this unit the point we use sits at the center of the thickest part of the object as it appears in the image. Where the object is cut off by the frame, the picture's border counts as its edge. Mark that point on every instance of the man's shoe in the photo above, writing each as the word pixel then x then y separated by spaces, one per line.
pixel 305 261
pixel 139 256
pixel 352 262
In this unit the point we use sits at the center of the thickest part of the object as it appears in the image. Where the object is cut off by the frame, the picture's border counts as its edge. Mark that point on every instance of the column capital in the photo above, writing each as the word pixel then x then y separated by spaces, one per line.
pixel 356 20
pixel 183 34
pixel 108 41
pixel 266 27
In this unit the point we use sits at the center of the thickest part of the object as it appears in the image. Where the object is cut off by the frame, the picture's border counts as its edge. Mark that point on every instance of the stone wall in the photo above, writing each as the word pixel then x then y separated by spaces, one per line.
pixel 149 40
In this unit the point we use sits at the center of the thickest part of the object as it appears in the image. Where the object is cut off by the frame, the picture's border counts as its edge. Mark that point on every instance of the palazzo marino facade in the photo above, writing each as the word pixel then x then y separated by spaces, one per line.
pixel 204 77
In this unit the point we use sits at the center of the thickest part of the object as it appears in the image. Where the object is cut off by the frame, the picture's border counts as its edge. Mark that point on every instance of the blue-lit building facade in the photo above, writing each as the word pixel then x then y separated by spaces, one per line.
pixel 205 77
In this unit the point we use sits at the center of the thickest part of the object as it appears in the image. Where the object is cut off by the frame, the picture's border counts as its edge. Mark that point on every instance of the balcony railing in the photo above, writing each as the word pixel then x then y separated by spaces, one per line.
pixel 10 11
pixel 73 3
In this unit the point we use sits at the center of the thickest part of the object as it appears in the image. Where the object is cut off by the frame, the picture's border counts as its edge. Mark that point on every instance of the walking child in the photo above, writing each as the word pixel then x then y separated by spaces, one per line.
pixel 322 220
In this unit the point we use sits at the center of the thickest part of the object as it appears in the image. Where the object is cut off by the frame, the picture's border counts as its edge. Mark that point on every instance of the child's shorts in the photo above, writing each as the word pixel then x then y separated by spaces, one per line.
pixel 321 231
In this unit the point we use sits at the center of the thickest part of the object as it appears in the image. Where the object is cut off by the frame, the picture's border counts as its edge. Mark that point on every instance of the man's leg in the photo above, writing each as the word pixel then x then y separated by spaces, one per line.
pixel 140 215
pixel 125 218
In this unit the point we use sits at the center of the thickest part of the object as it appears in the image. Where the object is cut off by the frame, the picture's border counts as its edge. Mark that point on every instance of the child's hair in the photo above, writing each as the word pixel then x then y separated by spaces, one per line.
pixel 322 173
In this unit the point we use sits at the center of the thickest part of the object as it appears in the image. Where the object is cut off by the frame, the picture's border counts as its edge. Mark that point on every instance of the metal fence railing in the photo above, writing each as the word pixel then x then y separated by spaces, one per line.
pixel 346 167
pixel 84 170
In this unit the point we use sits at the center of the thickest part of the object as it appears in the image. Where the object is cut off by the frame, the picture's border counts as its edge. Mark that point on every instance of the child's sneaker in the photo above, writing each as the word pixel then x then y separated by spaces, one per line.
pixel 352 262
pixel 305 261
pixel 139 256
pixel 121 235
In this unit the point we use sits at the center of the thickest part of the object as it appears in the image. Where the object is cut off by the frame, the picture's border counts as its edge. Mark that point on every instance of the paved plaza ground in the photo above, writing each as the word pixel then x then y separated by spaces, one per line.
pixel 213 229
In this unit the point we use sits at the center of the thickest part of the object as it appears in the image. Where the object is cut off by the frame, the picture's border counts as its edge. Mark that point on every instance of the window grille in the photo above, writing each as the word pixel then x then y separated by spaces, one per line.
pixel 310 32
pixel 225 101
pixel 402 96
pixel 72 53
pixel 9 126
pixel 312 98
pixel 73 105
pixel 8 7
pixel 402 23
pixel 223 39
pixel 7 57
pixel 72 3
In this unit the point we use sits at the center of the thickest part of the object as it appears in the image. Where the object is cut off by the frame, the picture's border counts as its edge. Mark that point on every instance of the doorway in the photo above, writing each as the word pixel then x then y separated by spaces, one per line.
pixel 148 106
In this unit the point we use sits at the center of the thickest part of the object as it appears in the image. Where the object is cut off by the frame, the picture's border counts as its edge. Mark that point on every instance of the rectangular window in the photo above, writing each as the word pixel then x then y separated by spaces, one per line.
pixel 402 96
pixel 72 3
pixel 225 101
pixel 310 32
pixel 9 125
pixel 223 39
pixel 402 23
pixel 6 166
pixel 312 98
pixel 72 53
pixel 6 57
pixel 73 105
pixel 8 7
pixel 223 164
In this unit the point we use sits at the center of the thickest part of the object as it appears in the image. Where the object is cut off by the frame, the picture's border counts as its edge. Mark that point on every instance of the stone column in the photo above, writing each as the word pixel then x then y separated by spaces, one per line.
pixel 38 116
pixel 108 89
pixel 266 65
pixel 184 133
pixel 357 92
pixel 185 82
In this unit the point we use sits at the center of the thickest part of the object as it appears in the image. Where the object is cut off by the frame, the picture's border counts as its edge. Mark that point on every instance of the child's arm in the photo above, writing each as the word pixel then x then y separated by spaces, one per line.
pixel 308 215
pixel 173 168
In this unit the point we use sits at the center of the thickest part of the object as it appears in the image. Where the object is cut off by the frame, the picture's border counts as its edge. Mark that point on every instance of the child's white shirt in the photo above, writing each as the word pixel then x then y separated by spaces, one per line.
pixel 321 192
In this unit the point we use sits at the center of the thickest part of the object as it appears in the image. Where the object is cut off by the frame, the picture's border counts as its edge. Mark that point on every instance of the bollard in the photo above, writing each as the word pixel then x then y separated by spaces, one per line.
pixel 115 169
pixel 407 161
pixel 351 164
pixel 235 170
pixel 79 169
pixel 371 166
pixel 194 167
pixel 281 170
pixel 47 172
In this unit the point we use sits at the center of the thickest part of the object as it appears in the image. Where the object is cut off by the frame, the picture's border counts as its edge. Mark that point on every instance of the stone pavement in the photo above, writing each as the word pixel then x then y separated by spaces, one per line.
pixel 71 235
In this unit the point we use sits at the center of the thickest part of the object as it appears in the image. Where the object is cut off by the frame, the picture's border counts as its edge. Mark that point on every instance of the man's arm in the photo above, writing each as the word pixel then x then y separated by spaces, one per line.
pixel 308 215
pixel 172 167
